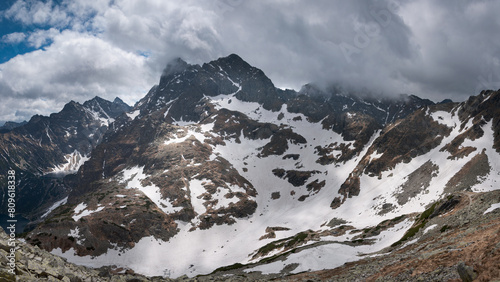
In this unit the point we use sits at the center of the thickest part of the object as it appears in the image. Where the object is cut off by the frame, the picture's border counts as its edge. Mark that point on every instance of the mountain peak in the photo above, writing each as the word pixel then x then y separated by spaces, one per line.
pixel 174 66
pixel 233 62
pixel 94 101
pixel 117 100
pixel 219 147
pixel 233 58
pixel 71 106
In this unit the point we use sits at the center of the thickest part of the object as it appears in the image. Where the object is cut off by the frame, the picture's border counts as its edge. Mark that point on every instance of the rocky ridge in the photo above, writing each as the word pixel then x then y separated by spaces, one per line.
pixel 215 154
pixel 46 148
pixel 140 140
pixel 9 125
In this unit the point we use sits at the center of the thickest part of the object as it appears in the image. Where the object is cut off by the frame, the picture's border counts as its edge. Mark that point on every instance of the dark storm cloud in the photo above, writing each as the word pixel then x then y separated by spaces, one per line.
pixel 437 50
pixel 355 42
pixel 434 50
pixel 457 46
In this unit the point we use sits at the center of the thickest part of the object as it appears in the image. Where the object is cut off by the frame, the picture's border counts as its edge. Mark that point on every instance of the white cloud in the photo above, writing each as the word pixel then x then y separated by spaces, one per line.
pixel 74 67
pixel 41 37
pixel 31 12
pixel 14 38
pixel 166 29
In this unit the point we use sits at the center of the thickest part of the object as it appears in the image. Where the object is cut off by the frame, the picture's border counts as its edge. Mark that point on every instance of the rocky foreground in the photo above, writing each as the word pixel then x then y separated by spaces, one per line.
pixel 456 239
pixel 34 264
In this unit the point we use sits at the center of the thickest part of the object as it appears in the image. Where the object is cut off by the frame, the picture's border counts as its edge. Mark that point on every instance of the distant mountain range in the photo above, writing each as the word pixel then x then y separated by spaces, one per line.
pixel 9 125
pixel 45 149
pixel 217 169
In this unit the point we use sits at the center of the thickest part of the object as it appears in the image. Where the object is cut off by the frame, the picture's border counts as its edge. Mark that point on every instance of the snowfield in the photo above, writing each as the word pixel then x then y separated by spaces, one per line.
pixel 202 251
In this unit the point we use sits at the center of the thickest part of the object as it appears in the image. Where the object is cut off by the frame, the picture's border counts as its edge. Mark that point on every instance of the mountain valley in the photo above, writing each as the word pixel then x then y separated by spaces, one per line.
pixel 217 169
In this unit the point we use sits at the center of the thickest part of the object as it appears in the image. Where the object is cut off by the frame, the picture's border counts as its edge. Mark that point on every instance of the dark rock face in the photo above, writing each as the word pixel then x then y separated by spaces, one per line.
pixel 417 181
pixel 413 136
pixel 470 174
pixel 47 139
pixel 255 85
pixel 169 167
pixel 295 177
pixel 451 202
pixel 483 106
pixel 340 101
pixel 419 133
pixel 348 189
pixel 37 147
pixel 183 86
pixel 279 142
pixel 9 125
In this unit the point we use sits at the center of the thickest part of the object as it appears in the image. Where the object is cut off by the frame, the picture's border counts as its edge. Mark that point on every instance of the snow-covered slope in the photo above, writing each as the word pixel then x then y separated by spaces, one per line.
pixel 215 167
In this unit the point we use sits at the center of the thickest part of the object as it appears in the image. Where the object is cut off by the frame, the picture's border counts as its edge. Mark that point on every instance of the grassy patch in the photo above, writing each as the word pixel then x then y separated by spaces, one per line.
pixel 425 215
pixel 289 242
pixel 299 238
pixel 444 228
pixel 269 247
pixel 229 267
pixel 399 218
pixel 419 223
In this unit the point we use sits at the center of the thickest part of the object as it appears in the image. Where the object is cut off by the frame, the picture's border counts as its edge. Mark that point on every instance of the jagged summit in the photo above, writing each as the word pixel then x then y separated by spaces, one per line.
pixel 180 92
pixel 341 102
pixel 233 64
pixel 119 101
pixel 175 66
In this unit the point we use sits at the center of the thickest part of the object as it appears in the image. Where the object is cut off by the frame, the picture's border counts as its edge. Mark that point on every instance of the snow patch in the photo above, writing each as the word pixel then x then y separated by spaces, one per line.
pixel 190 131
pixel 73 162
pixel 81 211
pixel 444 118
pixel 134 176
pixel 492 208
pixel 333 255
pixel 75 233
pixel 430 228
pixel 55 206
pixel 133 114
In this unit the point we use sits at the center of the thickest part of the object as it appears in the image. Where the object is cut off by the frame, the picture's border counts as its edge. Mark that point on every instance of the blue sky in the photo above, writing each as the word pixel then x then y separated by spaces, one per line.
pixel 54 51
pixel 8 50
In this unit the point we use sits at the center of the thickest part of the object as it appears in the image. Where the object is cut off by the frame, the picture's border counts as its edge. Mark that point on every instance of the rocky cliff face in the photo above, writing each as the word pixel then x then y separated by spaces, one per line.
pixel 215 167
pixel 45 149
